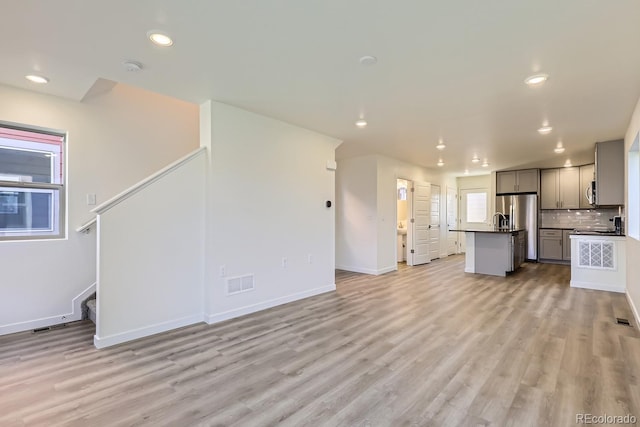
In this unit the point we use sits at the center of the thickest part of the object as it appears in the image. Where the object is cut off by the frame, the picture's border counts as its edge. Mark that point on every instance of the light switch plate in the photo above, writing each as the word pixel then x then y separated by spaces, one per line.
pixel 91 199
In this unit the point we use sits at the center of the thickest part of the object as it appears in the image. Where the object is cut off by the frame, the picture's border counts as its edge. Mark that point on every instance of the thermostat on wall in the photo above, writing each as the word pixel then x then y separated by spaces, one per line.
pixel 332 165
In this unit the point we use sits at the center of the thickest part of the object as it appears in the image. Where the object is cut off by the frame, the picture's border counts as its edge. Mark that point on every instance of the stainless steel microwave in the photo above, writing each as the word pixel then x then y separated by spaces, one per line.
pixel 591 193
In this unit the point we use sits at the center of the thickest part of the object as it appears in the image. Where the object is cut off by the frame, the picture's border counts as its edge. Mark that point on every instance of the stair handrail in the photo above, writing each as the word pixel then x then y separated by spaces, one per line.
pixel 146 182
pixel 86 227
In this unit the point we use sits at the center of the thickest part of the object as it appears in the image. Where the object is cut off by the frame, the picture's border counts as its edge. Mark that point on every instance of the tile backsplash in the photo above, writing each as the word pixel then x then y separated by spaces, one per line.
pixel 583 218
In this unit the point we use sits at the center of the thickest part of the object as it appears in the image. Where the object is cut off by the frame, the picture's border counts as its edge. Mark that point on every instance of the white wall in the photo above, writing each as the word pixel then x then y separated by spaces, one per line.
pixel 633 244
pixel 113 141
pixel 267 189
pixel 356 215
pixel 151 257
pixel 367 197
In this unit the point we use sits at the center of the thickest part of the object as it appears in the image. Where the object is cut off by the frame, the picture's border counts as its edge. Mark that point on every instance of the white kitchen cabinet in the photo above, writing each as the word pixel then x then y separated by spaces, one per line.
pixel 551 244
pixel 520 181
pixel 586 176
pixel 560 188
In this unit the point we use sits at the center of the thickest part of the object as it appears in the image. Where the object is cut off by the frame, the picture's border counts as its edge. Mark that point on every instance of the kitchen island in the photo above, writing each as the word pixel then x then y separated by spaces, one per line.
pixel 598 261
pixel 495 252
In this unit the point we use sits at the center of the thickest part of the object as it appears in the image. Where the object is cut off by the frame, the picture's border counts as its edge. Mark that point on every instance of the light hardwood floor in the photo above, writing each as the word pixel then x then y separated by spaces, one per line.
pixel 424 346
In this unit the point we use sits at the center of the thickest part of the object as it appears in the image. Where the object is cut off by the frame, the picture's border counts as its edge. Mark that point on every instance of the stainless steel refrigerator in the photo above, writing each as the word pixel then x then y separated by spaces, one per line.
pixel 522 213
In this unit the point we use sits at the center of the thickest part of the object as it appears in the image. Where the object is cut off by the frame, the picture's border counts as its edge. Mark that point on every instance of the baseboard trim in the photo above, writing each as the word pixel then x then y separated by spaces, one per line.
pixel 237 312
pixel 134 334
pixel 634 309
pixel 72 316
pixel 596 287
pixel 368 270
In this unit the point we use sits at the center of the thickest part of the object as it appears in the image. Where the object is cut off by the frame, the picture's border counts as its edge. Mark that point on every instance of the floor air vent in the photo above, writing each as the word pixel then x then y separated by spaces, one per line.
pixel 235 285
pixel 49 328
pixel 621 321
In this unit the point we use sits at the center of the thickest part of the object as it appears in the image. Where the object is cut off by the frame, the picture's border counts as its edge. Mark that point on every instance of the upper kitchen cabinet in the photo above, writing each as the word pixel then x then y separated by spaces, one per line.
pixel 560 188
pixel 610 173
pixel 520 181
pixel 586 177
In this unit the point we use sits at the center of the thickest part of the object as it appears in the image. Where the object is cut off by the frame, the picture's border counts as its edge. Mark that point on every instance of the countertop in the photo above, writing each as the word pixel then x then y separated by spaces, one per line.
pixel 596 233
pixel 477 230
pixel 586 231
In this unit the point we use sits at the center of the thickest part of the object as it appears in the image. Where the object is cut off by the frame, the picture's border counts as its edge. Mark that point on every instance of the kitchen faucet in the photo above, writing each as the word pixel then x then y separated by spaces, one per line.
pixel 493 220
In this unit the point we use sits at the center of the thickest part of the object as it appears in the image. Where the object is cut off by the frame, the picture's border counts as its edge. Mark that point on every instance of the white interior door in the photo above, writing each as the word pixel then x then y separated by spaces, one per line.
pixel 434 223
pixel 474 212
pixel 452 220
pixel 418 232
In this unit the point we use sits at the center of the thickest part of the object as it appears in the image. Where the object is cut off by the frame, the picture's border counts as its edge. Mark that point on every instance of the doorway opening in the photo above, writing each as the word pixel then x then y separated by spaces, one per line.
pixel 402 221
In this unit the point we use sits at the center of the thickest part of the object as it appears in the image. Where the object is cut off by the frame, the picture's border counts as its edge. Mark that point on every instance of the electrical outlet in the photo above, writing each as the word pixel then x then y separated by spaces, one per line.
pixel 310 259
pixel 284 262
pixel 223 271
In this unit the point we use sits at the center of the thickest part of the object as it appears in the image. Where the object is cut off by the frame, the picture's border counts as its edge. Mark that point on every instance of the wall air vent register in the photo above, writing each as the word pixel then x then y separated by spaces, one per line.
pixel 236 285
pixel 597 254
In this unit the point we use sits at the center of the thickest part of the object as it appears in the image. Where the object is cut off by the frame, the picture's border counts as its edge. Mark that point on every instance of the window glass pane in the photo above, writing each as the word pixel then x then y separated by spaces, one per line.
pixel 476 207
pixel 29 210
pixel 25 166
pixel 30 161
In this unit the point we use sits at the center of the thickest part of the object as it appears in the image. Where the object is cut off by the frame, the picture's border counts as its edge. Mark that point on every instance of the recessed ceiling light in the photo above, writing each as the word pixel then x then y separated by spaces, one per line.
pixel 159 38
pixel 361 123
pixel 559 148
pixel 536 79
pixel 35 78
pixel 544 130
pixel 475 159
pixel 485 164
pixel 440 145
pixel 440 163
pixel 466 171
pixel 368 60
pixel 567 164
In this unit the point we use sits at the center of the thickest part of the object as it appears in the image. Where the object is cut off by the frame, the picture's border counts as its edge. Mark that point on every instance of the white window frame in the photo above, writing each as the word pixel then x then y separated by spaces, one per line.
pixel 23 184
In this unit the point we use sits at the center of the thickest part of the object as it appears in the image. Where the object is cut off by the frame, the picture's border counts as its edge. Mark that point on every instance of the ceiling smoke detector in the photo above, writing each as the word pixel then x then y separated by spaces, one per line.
pixel 132 66
pixel 368 60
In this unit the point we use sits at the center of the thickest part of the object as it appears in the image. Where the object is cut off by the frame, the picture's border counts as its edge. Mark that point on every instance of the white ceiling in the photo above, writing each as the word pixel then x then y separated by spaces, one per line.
pixel 446 69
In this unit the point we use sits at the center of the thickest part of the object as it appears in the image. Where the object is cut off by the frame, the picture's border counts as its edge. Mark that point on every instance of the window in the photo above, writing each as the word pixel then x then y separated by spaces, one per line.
pixel 31 183
pixel 476 207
